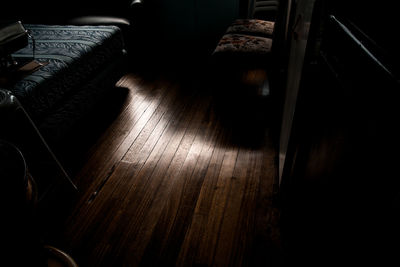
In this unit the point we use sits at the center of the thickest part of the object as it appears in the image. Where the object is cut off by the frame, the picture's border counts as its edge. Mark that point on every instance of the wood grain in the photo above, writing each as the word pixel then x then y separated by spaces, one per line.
pixel 167 185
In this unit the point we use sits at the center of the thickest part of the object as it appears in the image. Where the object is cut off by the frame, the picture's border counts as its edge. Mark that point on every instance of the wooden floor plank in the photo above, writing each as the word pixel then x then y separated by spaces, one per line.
pixel 166 185
pixel 109 149
pixel 163 116
pixel 132 125
pixel 215 215
pixel 196 228
pixel 227 232
pixel 182 199
pixel 243 238
pixel 135 182
pixel 144 191
pixel 160 184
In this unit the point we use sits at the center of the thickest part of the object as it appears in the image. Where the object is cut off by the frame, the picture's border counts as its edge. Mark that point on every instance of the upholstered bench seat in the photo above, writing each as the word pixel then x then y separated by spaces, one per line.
pixel 257 27
pixel 241 43
pixel 240 50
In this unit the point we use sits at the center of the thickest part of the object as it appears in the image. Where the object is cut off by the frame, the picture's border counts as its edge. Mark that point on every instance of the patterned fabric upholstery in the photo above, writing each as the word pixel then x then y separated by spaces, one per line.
pixel 255 27
pixel 75 55
pixel 64 119
pixel 243 44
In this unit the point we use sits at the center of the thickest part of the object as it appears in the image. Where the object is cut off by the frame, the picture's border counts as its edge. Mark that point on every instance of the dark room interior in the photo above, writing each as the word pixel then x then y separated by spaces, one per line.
pixel 199 133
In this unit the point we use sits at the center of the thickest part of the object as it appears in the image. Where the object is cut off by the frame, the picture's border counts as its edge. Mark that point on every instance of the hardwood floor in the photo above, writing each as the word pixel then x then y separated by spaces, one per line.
pixel 183 176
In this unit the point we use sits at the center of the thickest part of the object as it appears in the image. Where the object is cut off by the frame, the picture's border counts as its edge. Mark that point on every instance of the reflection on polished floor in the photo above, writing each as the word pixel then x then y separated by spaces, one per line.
pixel 182 176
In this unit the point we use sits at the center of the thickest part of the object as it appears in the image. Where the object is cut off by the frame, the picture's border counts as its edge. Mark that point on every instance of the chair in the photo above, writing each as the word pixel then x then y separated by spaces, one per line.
pixel 250 51
pixel 22 242
pixel 249 42
pixel 250 37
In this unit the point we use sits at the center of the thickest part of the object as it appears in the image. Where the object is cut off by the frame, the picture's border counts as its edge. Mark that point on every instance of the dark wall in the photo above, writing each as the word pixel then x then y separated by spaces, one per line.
pixel 194 20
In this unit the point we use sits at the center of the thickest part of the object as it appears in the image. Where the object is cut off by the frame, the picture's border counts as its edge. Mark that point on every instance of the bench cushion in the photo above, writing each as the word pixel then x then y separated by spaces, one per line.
pixel 262 28
pixel 243 44
pixel 240 50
